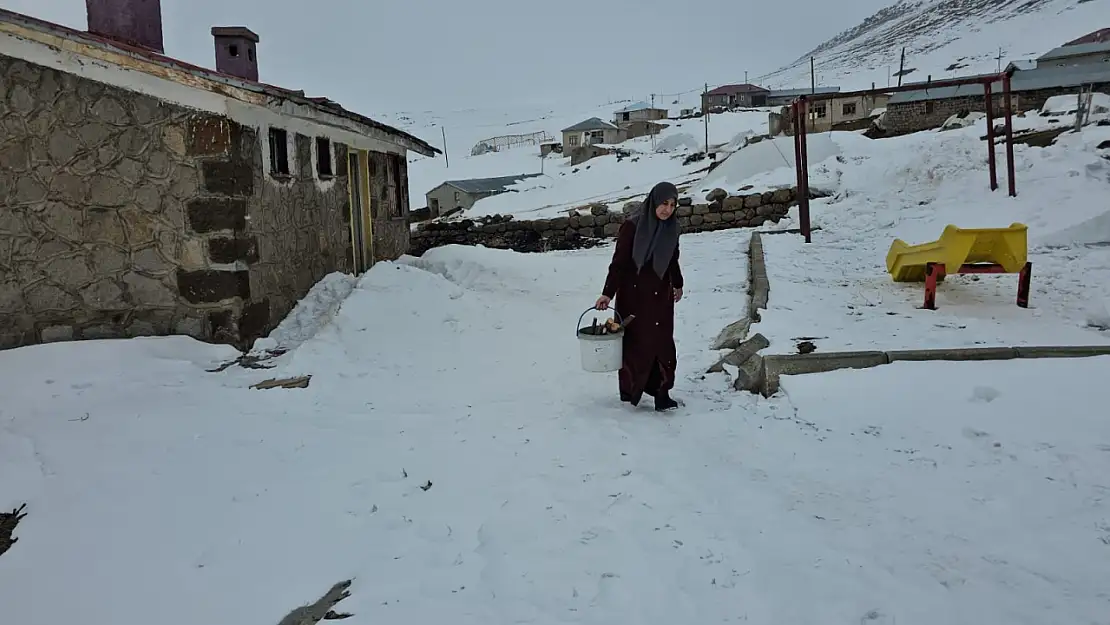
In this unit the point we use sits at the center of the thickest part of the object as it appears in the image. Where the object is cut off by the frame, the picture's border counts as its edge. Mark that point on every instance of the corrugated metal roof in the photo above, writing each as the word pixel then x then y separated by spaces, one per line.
pixel 639 106
pixel 793 93
pixel 1079 49
pixel 744 88
pixel 488 185
pixel 1022 64
pixel 1029 80
pixel 593 123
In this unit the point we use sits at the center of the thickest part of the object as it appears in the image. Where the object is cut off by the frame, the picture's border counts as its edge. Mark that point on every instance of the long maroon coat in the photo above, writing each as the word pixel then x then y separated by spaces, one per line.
pixel 650 337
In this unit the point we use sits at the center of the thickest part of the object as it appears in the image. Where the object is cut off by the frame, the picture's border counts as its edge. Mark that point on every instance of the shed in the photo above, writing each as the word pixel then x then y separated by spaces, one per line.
pixel 462 194
pixel 638 112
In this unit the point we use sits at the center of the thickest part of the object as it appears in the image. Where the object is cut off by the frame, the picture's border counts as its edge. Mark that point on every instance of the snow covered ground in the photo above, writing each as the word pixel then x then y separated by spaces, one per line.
pixel 452 459
pixel 837 288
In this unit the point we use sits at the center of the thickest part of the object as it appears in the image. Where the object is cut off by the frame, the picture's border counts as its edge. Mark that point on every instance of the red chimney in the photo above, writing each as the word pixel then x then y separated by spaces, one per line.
pixel 134 22
pixel 236 52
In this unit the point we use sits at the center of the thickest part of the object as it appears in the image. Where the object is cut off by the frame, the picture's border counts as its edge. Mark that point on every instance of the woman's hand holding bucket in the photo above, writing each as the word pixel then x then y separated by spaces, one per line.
pixel 603 302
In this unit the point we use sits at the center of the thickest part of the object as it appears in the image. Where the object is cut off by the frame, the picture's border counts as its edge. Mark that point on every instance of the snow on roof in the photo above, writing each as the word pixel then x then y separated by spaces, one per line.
pixel 488 185
pixel 593 123
pixel 1030 80
pixel 639 106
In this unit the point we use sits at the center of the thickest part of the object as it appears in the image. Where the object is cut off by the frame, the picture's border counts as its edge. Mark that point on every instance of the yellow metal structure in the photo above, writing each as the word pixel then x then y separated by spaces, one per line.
pixel 956 247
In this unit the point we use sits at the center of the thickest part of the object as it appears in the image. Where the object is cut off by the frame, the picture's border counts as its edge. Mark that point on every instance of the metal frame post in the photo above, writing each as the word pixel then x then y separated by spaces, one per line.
pixel 799 113
pixel 802 158
pixel 1008 105
pixel 990 136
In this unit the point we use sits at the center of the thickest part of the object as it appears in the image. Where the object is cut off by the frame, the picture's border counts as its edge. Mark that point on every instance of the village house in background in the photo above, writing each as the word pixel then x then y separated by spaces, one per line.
pixel 455 195
pixel 592 131
pixel 1099 36
pixel 1076 54
pixel 1061 71
pixel 147 196
pixel 640 111
pixel 783 97
pixel 734 96
pixel 639 120
pixel 851 112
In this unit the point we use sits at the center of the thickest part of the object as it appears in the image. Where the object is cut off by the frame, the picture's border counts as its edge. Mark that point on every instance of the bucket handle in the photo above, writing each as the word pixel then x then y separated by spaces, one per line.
pixel 619 319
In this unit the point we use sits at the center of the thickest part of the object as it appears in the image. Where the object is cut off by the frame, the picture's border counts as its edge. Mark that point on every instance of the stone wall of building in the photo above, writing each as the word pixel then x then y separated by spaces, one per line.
pixel 589 230
pixel 256 243
pixel 94 182
pixel 123 215
pixel 389 205
pixel 907 117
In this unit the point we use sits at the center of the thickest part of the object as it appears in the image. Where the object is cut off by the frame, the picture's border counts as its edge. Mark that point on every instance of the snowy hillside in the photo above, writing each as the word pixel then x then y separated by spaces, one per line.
pixel 943 38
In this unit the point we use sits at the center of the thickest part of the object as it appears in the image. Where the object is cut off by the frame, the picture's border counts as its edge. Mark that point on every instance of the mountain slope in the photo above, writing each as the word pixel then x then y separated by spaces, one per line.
pixel 943 38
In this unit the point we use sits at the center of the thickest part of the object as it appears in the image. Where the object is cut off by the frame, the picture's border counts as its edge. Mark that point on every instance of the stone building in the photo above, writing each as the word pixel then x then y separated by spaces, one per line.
pixel 140 195
pixel 639 112
pixel 914 111
pixel 456 195
pixel 734 96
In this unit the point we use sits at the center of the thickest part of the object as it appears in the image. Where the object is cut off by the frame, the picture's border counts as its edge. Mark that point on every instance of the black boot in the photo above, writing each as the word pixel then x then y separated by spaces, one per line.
pixel 663 401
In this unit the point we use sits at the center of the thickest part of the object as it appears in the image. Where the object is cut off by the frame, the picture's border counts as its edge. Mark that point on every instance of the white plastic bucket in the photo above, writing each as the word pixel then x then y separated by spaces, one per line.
pixel 601 353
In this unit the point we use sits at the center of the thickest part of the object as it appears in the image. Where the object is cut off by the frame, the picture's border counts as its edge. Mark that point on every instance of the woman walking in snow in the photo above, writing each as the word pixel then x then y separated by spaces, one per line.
pixel 645 278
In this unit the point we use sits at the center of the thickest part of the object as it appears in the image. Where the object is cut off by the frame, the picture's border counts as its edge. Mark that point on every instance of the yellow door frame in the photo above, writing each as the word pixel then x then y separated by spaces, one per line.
pixel 364 254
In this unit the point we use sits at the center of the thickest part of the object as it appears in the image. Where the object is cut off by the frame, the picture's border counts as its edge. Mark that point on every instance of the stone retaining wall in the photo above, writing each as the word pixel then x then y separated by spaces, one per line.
pixel 600 223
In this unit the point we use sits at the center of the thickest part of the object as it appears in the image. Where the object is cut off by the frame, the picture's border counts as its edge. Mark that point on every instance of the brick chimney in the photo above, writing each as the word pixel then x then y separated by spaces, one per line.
pixel 235 51
pixel 134 22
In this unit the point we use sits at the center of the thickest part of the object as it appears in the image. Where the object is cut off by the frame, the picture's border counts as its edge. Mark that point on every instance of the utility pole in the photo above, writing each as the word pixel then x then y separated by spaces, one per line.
pixel 445 159
pixel 705 114
pixel 1000 59
pixel 745 78
pixel 901 66
pixel 812 78
pixel 652 124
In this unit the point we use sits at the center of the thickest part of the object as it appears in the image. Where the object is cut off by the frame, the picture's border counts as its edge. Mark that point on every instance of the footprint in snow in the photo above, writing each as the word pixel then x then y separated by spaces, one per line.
pixel 972 433
pixel 985 394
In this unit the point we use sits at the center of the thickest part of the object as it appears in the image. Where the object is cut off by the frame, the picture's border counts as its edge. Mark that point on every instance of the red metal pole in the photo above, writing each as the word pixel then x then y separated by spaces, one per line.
pixel 1006 95
pixel 990 135
pixel 799 129
pixel 1024 279
pixel 797 150
pixel 803 167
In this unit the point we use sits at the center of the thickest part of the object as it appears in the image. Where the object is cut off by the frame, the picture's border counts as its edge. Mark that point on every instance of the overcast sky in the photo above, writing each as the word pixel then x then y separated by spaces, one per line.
pixel 417 55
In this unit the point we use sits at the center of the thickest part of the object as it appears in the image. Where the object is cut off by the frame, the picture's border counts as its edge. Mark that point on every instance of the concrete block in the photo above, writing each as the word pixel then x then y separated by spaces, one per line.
pixel 797 364
pixel 749 375
pixel 1067 351
pixel 742 353
pixel 959 353
pixel 733 334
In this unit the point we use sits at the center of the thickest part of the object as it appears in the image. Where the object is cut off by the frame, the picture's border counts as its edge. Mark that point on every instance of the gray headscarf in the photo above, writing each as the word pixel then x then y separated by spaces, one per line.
pixel 655 239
